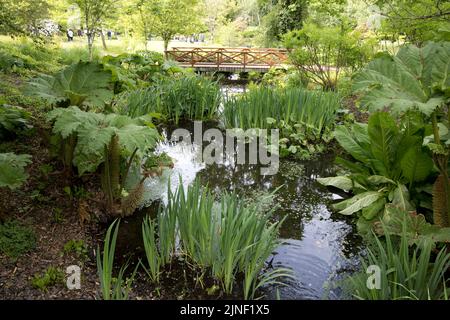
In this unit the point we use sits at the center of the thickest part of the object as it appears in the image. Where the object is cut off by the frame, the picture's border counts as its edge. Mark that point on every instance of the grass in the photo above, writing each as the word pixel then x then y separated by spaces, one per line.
pixel 314 109
pixel 227 239
pixel 406 273
pixel 16 239
pixel 188 97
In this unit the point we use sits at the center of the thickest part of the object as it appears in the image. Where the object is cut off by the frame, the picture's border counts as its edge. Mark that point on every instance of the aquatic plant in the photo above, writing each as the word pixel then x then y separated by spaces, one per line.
pixel 388 163
pixel 112 288
pixel 181 98
pixel 151 249
pixel 416 79
pixel 314 109
pixel 304 118
pixel 405 273
pixel 224 237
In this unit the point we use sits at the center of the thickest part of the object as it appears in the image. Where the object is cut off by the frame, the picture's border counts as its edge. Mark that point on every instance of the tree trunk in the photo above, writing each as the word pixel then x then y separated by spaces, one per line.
pixel 166 45
pixel 103 40
pixel 90 38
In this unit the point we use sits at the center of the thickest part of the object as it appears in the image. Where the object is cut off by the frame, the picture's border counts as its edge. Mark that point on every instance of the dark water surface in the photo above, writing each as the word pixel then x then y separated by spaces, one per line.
pixel 318 246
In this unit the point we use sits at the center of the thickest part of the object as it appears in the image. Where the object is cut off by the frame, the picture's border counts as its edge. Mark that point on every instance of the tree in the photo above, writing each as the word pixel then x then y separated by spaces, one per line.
pixel 94 13
pixel 281 16
pixel 418 20
pixel 322 53
pixel 166 18
pixel 22 16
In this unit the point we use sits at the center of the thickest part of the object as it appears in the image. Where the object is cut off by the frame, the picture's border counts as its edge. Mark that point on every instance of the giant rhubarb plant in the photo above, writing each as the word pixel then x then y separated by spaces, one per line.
pixel 416 79
pixel 111 143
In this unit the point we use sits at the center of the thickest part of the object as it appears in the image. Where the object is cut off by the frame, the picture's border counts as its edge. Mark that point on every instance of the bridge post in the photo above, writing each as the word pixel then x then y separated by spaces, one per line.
pixel 245 60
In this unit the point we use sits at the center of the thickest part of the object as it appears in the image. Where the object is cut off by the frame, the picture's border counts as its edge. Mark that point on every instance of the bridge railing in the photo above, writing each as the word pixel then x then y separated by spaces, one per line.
pixel 217 57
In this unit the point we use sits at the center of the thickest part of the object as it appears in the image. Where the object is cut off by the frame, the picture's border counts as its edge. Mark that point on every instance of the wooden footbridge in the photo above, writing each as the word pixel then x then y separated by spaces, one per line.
pixel 228 59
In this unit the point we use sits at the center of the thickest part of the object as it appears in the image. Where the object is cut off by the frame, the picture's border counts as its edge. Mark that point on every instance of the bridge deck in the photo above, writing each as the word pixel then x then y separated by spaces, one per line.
pixel 228 59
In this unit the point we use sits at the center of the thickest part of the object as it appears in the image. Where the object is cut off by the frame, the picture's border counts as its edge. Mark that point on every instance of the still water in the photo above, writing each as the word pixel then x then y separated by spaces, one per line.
pixel 318 246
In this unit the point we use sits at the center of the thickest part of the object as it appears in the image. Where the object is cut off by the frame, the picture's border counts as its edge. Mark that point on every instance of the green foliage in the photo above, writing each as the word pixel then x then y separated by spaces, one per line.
pixel 52 276
pixel 282 16
pixel 83 84
pixel 134 70
pixel 386 158
pixel 154 260
pixel 184 98
pixel 13 120
pixel 406 273
pixel 303 117
pixel 226 237
pixel 76 247
pixel 12 172
pixel 16 239
pixel 24 57
pixel 22 16
pixel 416 78
pixel 113 141
pixel 413 226
pixel 418 20
pixel 112 288
pixel 167 18
pixel 321 54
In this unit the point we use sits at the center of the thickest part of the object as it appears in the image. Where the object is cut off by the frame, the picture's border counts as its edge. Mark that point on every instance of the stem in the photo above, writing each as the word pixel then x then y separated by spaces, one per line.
pixel 127 169
pixel 437 138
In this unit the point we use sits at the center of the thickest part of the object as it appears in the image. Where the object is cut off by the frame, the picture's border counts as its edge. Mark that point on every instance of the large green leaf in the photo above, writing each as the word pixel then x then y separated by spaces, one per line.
pixel 350 143
pixel 12 173
pixel 383 133
pixel 418 230
pixel 416 165
pixel 358 202
pixel 94 132
pixel 340 182
pixel 400 198
pixel 80 84
pixel 414 79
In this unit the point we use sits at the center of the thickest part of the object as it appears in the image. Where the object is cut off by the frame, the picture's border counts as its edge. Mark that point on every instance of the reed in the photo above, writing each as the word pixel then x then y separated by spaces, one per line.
pixel 315 109
pixel 406 273
pixel 151 250
pixel 112 288
pixel 186 98
pixel 225 237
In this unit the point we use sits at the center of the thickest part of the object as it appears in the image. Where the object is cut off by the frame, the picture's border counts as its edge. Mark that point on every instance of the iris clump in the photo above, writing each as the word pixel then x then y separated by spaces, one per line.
pixel 227 238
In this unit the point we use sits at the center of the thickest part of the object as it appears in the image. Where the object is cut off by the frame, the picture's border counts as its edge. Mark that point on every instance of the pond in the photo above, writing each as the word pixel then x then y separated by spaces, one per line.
pixel 318 246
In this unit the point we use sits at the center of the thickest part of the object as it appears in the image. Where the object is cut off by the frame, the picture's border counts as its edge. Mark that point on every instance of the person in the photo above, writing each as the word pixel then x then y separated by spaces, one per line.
pixel 109 33
pixel 70 35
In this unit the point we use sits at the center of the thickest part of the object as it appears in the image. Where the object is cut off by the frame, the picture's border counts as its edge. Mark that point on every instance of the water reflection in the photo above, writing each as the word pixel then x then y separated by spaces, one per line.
pixel 317 245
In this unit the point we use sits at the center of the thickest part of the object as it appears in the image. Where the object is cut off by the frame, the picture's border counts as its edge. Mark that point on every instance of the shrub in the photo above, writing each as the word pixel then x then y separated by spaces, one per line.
pixel 321 54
